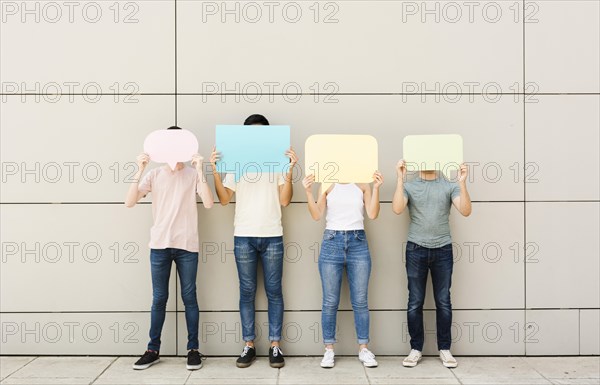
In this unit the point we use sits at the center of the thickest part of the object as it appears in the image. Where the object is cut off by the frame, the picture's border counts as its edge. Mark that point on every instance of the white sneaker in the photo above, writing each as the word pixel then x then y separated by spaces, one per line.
pixel 412 359
pixel 328 360
pixel 367 358
pixel 447 359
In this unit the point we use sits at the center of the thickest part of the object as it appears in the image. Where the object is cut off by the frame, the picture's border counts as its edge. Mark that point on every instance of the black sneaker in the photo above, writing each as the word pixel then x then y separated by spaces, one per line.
pixel 246 358
pixel 194 360
pixel 276 357
pixel 149 358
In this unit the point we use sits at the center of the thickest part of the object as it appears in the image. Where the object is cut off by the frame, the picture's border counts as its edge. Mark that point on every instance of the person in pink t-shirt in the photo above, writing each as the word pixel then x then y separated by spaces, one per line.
pixel 173 238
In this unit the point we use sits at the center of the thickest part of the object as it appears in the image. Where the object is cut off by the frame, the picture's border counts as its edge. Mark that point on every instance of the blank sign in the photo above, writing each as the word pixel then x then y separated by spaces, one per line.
pixel 433 152
pixel 251 149
pixel 341 158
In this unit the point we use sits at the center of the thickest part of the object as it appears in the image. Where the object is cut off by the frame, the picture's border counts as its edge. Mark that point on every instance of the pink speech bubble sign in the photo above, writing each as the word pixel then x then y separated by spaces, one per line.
pixel 171 146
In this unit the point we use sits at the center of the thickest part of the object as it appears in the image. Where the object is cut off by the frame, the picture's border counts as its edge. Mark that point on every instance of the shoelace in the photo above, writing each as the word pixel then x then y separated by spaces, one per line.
pixel 148 353
pixel 413 355
pixel 329 353
pixel 196 352
pixel 446 358
pixel 368 353
pixel 246 348
pixel 276 351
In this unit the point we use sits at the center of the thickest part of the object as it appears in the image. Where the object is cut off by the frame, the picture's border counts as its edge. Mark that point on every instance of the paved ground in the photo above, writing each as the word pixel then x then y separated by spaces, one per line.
pixel 300 370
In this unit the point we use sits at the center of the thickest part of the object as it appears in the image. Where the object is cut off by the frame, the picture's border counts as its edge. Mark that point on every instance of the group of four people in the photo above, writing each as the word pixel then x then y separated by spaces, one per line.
pixel 258 236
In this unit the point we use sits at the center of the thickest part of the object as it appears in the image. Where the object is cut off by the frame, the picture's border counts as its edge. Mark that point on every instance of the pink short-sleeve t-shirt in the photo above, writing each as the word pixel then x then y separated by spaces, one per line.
pixel 174 207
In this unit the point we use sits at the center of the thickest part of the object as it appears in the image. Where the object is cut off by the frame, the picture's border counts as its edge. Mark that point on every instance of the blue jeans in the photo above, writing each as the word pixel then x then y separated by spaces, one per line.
pixel 187 267
pixel 349 249
pixel 248 251
pixel 419 261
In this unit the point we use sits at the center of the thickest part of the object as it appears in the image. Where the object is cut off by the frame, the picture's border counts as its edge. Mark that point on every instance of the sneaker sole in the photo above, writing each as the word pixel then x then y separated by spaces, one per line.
pixel 277 365
pixel 245 365
pixel 142 367
pixel 450 366
pixel 193 367
pixel 367 365
pixel 327 366
pixel 410 364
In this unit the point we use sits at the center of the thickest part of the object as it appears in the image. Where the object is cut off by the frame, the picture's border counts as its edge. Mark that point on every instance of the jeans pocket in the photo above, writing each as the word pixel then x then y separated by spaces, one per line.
pixel 411 246
pixel 328 235
pixel 360 235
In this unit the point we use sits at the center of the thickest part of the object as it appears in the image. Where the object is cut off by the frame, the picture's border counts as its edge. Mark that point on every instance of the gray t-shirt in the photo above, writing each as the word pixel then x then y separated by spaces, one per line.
pixel 429 203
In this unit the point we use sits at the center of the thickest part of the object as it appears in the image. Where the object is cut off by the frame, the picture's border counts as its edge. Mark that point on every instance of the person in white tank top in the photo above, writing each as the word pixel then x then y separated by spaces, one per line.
pixel 345 246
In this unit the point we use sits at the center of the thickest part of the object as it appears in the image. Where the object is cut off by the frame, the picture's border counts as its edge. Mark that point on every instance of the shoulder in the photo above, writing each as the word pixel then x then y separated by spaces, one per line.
pixel 190 170
pixel 154 172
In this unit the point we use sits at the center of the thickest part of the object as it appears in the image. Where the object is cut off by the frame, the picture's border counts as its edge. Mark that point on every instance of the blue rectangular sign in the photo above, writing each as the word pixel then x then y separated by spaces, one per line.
pixel 252 149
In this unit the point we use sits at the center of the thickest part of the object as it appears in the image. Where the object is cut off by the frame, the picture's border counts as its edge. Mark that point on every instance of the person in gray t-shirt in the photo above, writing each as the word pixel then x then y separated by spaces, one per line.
pixel 429 199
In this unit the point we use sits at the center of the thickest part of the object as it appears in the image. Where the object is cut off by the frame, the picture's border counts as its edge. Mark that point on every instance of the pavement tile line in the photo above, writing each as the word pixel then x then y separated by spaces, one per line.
pixel 537 371
pixel 105 369
pixel 587 374
pixel 455 376
pixel 30 361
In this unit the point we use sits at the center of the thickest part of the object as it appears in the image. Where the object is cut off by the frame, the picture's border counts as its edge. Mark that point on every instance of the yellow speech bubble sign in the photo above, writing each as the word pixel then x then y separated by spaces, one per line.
pixel 433 152
pixel 341 158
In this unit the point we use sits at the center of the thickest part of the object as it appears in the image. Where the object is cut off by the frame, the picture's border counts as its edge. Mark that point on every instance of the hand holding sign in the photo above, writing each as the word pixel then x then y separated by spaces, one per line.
pixel 171 146
pixel 341 158
pixel 433 152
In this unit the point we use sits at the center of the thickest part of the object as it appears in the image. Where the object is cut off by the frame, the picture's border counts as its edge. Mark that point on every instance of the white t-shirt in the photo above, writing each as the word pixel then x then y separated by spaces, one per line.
pixel 174 207
pixel 257 207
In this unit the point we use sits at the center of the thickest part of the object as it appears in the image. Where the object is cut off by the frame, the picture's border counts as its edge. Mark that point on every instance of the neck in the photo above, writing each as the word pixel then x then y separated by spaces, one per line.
pixel 178 166
pixel 428 175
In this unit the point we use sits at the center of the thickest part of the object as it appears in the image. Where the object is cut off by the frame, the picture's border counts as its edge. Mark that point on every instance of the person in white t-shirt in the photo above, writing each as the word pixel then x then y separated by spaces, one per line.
pixel 173 238
pixel 345 246
pixel 258 236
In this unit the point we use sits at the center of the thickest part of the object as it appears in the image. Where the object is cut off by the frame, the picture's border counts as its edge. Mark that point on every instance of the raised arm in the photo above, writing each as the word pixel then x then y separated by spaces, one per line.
pixel 316 209
pixel 134 194
pixel 400 201
pixel 223 193
pixel 463 201
pixel 202 187
pixel 287 189
pixel 371 199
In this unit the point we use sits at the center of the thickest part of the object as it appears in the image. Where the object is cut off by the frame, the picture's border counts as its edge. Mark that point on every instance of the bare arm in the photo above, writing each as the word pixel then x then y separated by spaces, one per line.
pixel 133 194
pixel 202 188
pixel 316 209
pixel 286 191
pixel 371 199
pixel 400 201
pixel 463 201
pixel 223 193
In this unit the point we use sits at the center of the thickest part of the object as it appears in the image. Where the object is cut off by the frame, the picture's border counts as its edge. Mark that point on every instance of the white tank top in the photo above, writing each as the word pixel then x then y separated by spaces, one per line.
pixel 345 208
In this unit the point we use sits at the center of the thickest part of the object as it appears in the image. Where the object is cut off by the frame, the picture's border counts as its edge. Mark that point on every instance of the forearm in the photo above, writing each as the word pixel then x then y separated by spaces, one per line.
pixel 133 192
pixel 287 191
pixel 374 204
pixel 222 193
pixel 398 202
pixel 465 200
pixel 205 192
pixel 313 208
